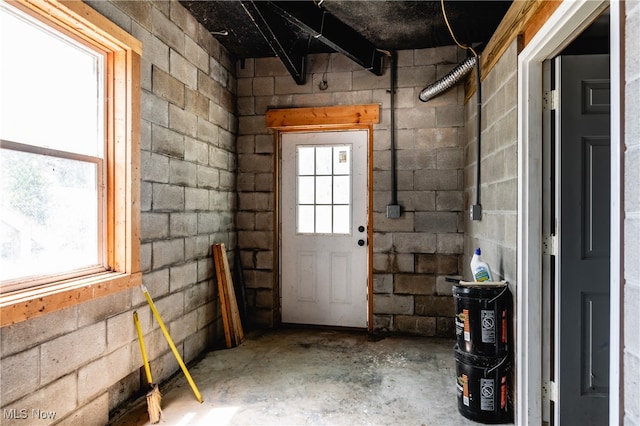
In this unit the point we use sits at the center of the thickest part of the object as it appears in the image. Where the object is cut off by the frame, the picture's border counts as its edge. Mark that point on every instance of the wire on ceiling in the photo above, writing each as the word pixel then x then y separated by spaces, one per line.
pixel 446 20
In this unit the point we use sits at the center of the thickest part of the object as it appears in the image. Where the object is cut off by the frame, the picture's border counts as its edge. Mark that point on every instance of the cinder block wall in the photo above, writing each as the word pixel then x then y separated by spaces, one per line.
pixel 82 362
pixel 632 216
pixel 413 254
pixel 496 233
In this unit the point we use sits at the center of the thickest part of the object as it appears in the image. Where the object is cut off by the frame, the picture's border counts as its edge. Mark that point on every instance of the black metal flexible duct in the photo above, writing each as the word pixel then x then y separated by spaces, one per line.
pixel 433 90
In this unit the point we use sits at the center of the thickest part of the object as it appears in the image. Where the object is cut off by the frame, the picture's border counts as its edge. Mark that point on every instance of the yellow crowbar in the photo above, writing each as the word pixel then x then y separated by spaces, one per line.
pixel 171 345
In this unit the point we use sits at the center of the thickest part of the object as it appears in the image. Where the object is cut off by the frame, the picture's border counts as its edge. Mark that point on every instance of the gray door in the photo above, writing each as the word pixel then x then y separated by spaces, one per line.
pixel 583 285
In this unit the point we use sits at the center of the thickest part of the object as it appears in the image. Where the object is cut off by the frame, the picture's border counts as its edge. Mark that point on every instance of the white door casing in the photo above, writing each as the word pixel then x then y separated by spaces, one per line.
pixel 568 19
pixel 324 199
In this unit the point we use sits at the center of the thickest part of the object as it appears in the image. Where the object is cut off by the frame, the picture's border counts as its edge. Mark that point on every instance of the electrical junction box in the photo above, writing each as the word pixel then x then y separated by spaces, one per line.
pixel 394 211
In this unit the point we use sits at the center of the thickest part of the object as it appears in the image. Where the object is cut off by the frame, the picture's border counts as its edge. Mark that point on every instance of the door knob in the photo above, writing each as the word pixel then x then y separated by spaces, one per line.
pixel 360 243
pixel 361 228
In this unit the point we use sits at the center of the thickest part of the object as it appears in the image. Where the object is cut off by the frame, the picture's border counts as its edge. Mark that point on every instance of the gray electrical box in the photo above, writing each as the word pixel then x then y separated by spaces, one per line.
pixel 394 211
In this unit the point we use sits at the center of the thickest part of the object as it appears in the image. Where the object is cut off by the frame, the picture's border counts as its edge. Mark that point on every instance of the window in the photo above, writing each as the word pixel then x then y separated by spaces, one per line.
pixel 51 173
pixel 69 172
pixel 324 189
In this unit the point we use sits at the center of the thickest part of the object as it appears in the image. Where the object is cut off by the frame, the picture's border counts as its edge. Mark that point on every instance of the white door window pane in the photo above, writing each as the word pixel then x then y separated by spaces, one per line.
pixel 306 190
pixel 323 160
pixel 323 219
pixel 342 160
pixel 323 190
pixel 341 219
pixel 53 80
pixel 306 161
pixel 306 219
pixel 342 190
pixel 49 215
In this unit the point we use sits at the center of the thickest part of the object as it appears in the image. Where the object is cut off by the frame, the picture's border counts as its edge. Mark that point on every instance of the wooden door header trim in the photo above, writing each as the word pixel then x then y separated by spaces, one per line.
pixel 323 116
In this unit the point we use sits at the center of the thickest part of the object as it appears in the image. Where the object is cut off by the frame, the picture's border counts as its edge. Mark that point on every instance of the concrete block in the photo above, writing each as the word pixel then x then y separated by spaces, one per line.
pixel 632 386
pixel 255 163
pixel 208 86
pixel 120 330
pixel 382 242
pixel 208 222
pixel 450 116
pixel 436 222
pixel 392 304
pixel 196 102
pixel 264 260
pixel 95 412
pixel 246 106
pixel 26 334
pixel 245 68
pixel 102 308
pixel 218 115
pixel 196 151
pixel 285 85
pixel 631 305
pixel 20 375
pixel 182 121
pixel 264 221
pixel 434 306
pixel 258 279
pixel 438 55
pixel 438 180
pixel 264 144
pixel 207 177
pixel 450 201
pixel 155 51
pixel 264 298
pixel 182 276
pixel 199 294
pixel 392 262
pixel 439 264
pixel 416 201
pixel 168 87
pixel 256 239
pixel 168 252
pixel 154 109
pixel 182 173
pixel 145 257
pixel 168 197
pixel 436 138
pixel 184 326
pixel 264 182
pixel 207 314
pixel 382 323
pixel 383 283
pixel 195 344
pixel 183 224
pixel 168 142
pixel 252 125
pixel 422 326
pixel 166 30
pixel 196 199
pixel 414 284
pixel 415 243
pixel 57 359
pixel 96 377
pixel 444 287
pixel 450 243
pixel 263 86
pixel 408 159
pixel 446 328
pixel 170 307
pixel 113 13
pixel 196 55
pixel 218 158
pixel 45 406
pixel 420 117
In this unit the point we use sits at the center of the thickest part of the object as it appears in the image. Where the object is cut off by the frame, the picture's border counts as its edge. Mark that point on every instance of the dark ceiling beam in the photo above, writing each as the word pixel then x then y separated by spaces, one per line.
pixel 281 39
pixel 325 27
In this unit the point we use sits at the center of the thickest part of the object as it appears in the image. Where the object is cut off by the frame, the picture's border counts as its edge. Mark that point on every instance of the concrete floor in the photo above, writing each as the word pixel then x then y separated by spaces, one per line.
pixel 315 377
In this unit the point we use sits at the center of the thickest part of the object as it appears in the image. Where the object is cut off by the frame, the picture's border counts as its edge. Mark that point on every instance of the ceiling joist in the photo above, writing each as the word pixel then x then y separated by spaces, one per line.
pixel 326 28
pixel 279 37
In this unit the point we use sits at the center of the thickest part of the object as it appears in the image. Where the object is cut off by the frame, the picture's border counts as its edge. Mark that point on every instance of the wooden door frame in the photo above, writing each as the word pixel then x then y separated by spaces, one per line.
pixel 569 19
pixel 318 119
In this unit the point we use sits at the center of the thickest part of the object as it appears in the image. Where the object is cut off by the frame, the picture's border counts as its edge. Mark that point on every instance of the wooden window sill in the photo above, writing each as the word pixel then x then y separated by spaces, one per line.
pixel 29 303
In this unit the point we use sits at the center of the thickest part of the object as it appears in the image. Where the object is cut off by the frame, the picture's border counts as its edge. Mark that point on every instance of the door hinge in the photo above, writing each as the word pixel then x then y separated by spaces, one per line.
pixel 550 245
pixel 550 100
pixel 549 391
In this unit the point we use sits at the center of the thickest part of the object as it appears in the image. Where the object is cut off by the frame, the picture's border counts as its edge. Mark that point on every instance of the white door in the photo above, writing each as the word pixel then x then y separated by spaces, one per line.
pixel 324 228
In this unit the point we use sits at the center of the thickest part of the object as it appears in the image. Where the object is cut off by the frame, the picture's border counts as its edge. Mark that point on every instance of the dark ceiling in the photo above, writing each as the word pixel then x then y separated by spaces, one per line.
pixel 293 29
